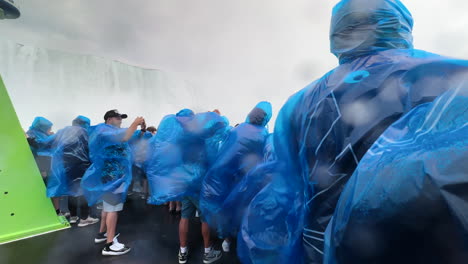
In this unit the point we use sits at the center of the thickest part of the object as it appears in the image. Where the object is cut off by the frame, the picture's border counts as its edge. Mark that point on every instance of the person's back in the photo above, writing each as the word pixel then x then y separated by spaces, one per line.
pixel 323 131
pixel 40 128
pixel 177 165
pixel 345 121
pixel 406 201
pixel 40 132
pixel 241 151
pixel 178 160
pixel 70 160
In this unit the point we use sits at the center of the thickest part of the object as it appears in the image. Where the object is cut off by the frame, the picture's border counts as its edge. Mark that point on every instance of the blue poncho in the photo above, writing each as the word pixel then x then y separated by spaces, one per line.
pixel 323 131
pixel 232 209
pixel 214 143
pixel 242 151
pixel 139 143
pixel 70 159
pixel 40 130
pixel 178 160
pixel 407 200
pixel 111 168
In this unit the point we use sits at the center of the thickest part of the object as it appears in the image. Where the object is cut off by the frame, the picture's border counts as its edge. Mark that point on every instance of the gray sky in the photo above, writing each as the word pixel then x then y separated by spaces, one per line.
pixel 234 53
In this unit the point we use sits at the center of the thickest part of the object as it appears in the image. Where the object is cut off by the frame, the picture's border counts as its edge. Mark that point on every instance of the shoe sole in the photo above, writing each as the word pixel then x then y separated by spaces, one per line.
pixel 112 253
pixel 87 224
pixel 213 260
pixel 99 241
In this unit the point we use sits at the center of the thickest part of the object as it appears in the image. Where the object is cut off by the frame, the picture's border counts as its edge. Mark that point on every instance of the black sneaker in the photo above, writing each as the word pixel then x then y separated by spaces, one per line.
pixel 212 256
pixel 108 251
pixel 102 237
pixel 183 257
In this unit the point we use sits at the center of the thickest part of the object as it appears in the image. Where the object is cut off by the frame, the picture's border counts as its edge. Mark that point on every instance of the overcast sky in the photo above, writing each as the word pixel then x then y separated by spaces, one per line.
pixel 235 53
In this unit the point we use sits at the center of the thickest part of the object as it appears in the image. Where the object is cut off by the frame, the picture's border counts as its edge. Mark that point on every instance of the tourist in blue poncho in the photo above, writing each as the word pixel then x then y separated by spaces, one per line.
pixel 70 159
pixel 214 143
pixel 235 204
pixel 177 164
pixel 40 130
pixel 324 130
pixel 178 160
pixel 242 150
pixel 110 174
pixel 139 144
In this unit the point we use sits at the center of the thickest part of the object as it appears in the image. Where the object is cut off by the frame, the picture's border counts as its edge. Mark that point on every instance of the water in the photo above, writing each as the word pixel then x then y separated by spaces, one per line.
pixel 60 86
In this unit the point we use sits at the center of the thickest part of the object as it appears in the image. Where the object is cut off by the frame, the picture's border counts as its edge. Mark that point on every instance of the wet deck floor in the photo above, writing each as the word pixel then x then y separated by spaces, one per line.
pixel 151 231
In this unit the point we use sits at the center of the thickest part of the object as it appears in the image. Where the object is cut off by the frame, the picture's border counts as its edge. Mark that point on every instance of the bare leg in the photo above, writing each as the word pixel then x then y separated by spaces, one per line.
pixel 111 223
pixel 103 222
pixel 206 235
pixel 183 231
pixel 56 202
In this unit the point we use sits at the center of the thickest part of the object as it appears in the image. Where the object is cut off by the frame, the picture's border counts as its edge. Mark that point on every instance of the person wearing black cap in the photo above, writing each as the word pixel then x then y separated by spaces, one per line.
pixel 110 175
pixel 114 118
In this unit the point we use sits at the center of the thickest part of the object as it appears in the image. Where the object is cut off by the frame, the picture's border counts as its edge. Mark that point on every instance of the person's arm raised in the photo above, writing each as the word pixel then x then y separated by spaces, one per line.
pixel 133 127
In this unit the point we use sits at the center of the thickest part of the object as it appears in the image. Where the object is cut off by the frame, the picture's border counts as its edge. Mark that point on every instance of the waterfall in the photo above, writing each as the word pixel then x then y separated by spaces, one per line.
pixel 60 86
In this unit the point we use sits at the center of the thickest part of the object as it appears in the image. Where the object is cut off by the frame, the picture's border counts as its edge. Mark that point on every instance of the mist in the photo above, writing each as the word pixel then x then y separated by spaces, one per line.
pixel 222 54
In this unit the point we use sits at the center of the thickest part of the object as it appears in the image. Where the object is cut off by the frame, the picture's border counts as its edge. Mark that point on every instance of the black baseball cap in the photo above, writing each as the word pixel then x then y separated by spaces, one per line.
pixel 114 113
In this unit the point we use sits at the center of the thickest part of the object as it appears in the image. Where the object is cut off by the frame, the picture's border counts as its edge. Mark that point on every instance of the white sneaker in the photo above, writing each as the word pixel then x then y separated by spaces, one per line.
pixel 88 221
pixel 117 244
pixel 102 237
pixel 226 246
pixel 115 250
pixel 74 219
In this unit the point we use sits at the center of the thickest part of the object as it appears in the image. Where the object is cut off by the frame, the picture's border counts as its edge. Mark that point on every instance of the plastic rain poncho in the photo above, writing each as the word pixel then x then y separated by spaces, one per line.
pixel 111 165
pixel 139 143
pixel 232 209
pixel 242 151
pixel 407 200
pixel 40 131
pixel 214 143
pixel 70 159
pixel 323 131
pixel 177 161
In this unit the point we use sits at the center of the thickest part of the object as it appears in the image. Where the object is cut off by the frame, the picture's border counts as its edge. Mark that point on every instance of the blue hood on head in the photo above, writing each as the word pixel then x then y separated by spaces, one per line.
pixel 41 124
pixel 362 27
pixel 185 113
pixel 82 121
